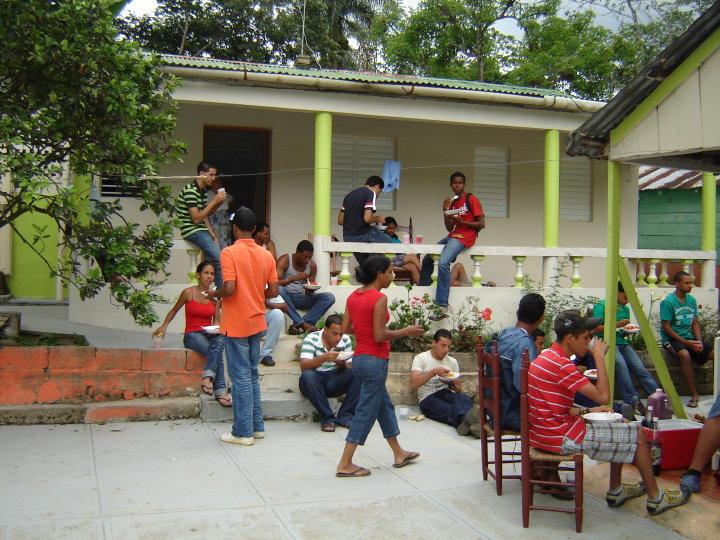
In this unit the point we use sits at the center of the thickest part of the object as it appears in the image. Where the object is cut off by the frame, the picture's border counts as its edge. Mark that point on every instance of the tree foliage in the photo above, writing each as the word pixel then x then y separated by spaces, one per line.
pixel 76 98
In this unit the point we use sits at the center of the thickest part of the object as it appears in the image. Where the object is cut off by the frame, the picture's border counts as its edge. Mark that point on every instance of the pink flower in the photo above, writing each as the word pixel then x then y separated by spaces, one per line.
pixel 486 314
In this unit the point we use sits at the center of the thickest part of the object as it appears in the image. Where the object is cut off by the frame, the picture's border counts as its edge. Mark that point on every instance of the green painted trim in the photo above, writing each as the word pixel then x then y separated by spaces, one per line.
pixel 709 188
pixel 552 188
pixel 611 272
pixel 667 87
pixel 30 275
pixel 650 341
pixel 323 170
pixel 82 186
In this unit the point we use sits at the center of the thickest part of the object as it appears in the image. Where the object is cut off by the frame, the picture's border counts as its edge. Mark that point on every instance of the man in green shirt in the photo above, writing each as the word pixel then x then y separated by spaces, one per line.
pixel 193 211
pixel 626 359
pixel 680 331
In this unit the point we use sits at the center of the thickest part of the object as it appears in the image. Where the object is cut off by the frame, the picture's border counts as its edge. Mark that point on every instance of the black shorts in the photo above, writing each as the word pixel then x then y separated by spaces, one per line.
pixel 699 357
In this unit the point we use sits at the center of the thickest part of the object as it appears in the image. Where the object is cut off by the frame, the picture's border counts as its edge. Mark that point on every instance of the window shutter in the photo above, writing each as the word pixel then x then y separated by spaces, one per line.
pixel 371 155
pixel 490 183
pixel 343 168
pixel 575 189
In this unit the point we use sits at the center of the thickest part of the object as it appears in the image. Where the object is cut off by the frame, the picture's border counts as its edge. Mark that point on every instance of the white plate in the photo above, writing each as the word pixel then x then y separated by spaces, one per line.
pixel 346 355
pixel 631 329
pixel 591 373
pixel 449 379
pixel 309 287
pixel 453 212
pixel 213 329
pixel 380 227
pixel 603 417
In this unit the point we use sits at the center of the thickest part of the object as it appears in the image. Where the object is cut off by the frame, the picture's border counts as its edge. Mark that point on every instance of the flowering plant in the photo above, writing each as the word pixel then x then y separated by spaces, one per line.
pixel 416 309
pixel 470 322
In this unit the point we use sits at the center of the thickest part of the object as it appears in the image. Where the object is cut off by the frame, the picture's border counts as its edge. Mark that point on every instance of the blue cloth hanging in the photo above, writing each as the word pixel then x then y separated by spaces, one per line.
pixel 391 175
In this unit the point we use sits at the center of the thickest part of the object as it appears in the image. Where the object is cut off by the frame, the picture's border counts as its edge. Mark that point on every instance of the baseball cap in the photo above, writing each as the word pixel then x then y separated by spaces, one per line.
pixel 572 321
pixel 244 219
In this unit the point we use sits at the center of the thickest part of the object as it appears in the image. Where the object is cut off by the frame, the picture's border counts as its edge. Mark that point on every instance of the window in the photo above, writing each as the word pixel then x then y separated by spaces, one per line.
pixel 490 183
pixel 575 189
pixel 110 186
pixel 354 159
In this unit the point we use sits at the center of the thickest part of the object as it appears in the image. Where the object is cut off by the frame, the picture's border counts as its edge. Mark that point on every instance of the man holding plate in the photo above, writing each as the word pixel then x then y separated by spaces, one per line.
pixel 557 426
pixel 325 361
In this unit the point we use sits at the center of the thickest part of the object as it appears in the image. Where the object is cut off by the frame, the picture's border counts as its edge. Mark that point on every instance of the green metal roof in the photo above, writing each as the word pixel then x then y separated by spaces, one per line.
pixel 355 76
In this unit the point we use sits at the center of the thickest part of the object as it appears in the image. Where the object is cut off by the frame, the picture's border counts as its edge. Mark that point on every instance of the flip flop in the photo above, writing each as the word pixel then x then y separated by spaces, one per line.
pixel 328 428
pixel 357 473
pixel 225 400
pixel 207 388
pixel 410 457
pixel 693 403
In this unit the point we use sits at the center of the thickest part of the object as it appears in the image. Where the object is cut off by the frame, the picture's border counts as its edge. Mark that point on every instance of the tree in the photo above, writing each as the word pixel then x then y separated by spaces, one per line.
pixel 75 96
pixel 460 38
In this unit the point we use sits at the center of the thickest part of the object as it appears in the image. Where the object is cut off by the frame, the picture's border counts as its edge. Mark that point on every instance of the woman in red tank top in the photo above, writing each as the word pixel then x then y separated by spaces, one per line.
pixel 366 315
pixel 201 312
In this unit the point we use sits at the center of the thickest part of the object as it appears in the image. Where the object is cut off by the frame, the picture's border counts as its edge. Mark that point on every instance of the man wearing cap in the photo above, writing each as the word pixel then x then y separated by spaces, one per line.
pixel 250 278
pixel 557 426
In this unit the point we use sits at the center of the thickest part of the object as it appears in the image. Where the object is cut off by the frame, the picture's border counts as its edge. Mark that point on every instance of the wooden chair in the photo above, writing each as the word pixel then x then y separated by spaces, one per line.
pixel 538 460
pixel 489 388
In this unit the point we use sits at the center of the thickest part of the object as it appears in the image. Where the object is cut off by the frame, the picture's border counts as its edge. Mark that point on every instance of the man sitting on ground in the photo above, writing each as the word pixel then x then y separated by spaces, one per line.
pixel 296 271
pixel 324 375
pixel 262 238
pixel 708 443
pixel 557 426
pixel 680 331
pixel 440 401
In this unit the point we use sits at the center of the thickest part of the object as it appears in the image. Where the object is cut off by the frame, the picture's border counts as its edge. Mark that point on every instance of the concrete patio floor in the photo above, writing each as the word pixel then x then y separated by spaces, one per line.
pixel 176 479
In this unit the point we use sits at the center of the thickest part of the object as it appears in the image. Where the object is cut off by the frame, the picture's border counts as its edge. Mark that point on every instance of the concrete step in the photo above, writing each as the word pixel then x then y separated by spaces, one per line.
pixel 276 406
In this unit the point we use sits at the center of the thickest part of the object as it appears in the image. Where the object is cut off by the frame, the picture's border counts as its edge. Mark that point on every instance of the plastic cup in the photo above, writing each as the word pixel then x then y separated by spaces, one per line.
pixel 333 280
pixel 418 238
pixel 404 413
pixel 157 342
pixel 405 238
pixel 221 190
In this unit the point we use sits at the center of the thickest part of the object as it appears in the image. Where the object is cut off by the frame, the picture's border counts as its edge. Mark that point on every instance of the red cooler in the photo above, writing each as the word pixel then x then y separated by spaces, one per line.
pixel 678 438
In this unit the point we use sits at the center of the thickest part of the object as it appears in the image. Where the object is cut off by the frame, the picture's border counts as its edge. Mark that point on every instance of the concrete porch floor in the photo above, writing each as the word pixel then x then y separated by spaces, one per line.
pixel 176 479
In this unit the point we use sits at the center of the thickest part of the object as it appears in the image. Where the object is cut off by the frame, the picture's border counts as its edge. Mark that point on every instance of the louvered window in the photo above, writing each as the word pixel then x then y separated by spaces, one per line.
pixel 490 183
pixel 354 159
pixel 575 189
pixel 112 186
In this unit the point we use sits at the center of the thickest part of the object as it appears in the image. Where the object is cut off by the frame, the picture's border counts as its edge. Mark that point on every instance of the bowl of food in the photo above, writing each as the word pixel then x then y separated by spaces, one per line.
pixel 603 417
pixel 450 376
pixel 453 212
pixel 631 328
pixel 590 373
pixel 311 286
pixel 212 329
pixel 346 355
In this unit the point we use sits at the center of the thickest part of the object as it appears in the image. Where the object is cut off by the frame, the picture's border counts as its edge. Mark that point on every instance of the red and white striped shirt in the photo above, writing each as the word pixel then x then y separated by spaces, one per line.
pixel 553 381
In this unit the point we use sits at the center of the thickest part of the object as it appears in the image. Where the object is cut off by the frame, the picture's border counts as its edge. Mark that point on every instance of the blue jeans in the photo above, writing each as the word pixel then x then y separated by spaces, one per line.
pixel 446 406
pixel 374 401
pixel 274 319
pixel 210 251
pixel 453 248
pixel 317 386
pixel 626 361
pixel 316 303
pixel 211 347
pixel 243 357
pixel 374 236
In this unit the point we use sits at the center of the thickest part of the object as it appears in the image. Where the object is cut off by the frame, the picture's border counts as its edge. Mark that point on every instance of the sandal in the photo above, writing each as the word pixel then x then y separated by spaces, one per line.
pixel 693 403
pixel 360 471
pixel 225 400
pixel 207 386
pixel 294 330
pixel 327 428
pixel 410 457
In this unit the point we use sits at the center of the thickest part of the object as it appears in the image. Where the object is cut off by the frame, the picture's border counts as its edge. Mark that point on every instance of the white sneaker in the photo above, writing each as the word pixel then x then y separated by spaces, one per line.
pixel 230 438
pixel 259 435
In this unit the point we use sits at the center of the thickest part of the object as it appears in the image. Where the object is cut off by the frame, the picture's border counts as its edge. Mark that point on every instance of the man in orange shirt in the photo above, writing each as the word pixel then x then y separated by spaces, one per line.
pixel 249 277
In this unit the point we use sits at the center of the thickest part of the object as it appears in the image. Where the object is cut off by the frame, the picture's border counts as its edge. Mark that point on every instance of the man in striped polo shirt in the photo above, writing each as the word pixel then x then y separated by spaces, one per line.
pixel 325 375
pixel 557 425
pixel 193 211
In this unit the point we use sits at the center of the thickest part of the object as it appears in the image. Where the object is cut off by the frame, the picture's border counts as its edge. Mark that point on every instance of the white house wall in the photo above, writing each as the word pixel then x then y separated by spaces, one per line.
pixel 687 121
pixel 428 152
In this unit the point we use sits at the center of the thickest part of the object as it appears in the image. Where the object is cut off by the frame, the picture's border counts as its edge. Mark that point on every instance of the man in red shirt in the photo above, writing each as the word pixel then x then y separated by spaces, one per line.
pixel 464 217
pixel 556 424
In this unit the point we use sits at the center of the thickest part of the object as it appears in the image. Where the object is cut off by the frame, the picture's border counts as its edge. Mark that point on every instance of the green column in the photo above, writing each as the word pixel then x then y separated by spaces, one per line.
pixel 552 187
pixel 707 242
pixel 611 272
pixel 323 164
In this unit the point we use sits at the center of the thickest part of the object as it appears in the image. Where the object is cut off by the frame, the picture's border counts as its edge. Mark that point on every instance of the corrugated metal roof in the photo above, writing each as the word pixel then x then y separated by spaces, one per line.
pixel 354 76
pixel 651 177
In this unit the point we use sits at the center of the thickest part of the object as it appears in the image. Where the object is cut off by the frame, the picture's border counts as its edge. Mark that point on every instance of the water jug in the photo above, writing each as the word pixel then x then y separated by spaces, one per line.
pixel 660 404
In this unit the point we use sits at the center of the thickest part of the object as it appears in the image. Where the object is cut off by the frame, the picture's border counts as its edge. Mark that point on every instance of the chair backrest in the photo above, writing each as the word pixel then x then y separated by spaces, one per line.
pixel 489 379
pixel 524 407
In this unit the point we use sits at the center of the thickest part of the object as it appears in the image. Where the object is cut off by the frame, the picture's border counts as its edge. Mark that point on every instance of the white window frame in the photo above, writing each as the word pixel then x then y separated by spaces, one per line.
pixel 491 180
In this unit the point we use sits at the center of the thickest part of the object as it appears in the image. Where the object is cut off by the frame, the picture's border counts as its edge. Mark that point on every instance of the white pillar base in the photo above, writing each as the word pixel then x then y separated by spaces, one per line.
pixel 549 270
pixel 322 260
pixel 708 274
